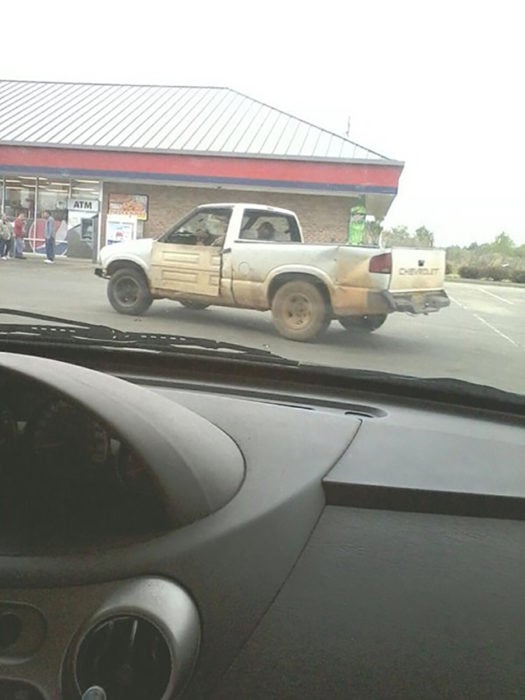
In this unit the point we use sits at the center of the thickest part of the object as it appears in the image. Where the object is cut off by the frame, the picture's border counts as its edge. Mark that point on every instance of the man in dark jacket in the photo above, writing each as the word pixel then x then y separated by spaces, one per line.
pixel 49 234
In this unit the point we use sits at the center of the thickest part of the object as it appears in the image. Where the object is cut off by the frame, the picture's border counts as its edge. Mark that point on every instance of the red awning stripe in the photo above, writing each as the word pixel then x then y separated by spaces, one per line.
pixel 206 169
pixel 325 187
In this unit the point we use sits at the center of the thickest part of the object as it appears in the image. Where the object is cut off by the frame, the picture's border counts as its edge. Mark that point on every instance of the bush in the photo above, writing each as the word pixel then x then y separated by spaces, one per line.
pixel 485 272
pixel 518 276
pixel 496 273
pixel 470 272
pixel 448 269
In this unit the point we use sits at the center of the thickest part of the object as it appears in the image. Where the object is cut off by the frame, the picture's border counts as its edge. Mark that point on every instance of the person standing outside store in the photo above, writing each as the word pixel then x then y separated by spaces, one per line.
pixel 49 234
pixel 6 237
pixel 19 231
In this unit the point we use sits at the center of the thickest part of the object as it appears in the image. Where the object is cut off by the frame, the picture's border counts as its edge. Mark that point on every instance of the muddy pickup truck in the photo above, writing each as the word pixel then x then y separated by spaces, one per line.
pixel 254 257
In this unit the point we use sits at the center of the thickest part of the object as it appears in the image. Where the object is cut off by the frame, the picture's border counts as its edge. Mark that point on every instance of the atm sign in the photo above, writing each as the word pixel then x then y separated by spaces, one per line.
pixel 87 205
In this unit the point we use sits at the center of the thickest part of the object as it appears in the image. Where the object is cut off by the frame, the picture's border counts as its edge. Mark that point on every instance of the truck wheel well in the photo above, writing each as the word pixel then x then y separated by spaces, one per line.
pixel 278 282
pixel 121 264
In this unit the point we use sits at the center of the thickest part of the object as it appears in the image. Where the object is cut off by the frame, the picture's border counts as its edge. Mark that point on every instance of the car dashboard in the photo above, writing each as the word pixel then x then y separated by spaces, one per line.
pixel 168 533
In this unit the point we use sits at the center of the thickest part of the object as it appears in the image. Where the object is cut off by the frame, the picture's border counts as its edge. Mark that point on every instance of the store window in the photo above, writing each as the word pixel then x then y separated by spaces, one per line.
pixel 74 205
pixel 52 196
pixel 85 189
pixel 20 198
pixel 20 195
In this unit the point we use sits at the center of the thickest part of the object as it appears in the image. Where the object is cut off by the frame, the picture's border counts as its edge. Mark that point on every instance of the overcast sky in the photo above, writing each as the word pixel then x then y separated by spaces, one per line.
pixel 436 84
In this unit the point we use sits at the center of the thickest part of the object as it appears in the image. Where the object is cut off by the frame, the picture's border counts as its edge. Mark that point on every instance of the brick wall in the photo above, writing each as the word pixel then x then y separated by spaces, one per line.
pixel 324 219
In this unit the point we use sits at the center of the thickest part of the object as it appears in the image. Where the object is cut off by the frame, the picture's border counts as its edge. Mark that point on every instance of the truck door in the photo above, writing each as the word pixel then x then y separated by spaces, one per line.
pixel 187 258
pixel 258 250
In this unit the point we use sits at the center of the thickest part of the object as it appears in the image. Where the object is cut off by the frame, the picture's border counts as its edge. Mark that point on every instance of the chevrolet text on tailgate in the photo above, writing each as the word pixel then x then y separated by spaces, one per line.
pixel 254 257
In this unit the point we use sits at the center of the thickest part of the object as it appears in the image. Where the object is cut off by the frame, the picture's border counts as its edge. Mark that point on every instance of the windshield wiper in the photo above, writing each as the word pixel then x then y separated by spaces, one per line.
pixel 63 331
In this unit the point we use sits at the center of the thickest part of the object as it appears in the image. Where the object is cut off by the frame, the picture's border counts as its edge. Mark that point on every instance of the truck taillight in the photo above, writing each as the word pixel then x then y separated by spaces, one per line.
pixel 381 263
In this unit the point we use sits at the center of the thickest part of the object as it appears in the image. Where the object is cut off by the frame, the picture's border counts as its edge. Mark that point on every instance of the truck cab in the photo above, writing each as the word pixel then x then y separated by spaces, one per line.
pixel 198 254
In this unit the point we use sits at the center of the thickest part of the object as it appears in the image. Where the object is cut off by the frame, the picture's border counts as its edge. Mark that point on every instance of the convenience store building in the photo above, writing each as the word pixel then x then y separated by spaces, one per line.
pixel 93 152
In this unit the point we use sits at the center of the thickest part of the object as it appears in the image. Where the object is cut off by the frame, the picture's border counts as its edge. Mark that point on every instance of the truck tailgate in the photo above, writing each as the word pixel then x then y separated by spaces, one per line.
pixel 417 269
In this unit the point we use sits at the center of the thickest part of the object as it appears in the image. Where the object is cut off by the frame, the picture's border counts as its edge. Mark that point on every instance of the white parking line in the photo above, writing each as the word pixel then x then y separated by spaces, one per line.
pixel 493 328
pixel 486 323
pixel 497 296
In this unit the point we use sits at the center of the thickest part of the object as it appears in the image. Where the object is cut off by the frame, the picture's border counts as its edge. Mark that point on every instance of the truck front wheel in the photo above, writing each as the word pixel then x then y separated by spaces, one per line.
pixel 300 311
pixel 364 324
pixel 128 292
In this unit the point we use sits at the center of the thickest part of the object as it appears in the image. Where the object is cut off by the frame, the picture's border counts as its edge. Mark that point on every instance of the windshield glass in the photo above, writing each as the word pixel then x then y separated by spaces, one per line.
pixel 348 197
pixel 205 226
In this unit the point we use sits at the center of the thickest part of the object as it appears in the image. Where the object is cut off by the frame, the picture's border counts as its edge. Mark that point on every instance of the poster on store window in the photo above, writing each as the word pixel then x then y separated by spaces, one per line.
pixel 129 205
pixel 120 229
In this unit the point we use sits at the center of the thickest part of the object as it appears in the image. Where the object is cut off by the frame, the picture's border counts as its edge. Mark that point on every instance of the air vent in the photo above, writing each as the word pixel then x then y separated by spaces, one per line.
pixel 128 657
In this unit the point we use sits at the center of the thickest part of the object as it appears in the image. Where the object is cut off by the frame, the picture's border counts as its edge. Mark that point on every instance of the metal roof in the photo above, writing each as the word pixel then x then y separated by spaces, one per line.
pixel 169 119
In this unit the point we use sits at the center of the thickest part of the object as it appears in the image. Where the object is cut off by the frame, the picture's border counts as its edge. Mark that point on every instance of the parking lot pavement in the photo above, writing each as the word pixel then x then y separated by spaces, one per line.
pixel 480 337
pixel 499 308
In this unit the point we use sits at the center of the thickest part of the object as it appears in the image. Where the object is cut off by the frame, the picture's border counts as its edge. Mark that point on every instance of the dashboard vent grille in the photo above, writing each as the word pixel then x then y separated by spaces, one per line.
pixel 128 657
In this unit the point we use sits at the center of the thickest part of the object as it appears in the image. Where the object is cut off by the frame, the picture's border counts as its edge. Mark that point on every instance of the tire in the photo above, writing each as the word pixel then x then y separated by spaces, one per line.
pixel 363 324
pixel 128 292
pixel 300 311
pixel 195 305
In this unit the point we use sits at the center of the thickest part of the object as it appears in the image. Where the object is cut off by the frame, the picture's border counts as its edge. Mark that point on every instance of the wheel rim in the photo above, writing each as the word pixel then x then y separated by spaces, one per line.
pixel 297 311
pixel 127 291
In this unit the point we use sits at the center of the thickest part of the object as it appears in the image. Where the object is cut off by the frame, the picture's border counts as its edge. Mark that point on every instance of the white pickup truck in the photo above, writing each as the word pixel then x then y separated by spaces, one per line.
pixel 254 257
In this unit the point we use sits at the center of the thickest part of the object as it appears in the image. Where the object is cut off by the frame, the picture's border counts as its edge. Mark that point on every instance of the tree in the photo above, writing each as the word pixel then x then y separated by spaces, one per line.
pixel 455 253
pixel 424 237
pixel 503 244
pixel 399 235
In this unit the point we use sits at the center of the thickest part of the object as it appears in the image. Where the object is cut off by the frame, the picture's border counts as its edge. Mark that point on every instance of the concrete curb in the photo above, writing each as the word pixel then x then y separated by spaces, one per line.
pixel 62 261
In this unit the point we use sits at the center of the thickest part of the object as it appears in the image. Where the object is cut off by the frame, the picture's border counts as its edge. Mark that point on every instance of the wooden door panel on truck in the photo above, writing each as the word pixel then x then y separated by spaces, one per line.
pixel 193 269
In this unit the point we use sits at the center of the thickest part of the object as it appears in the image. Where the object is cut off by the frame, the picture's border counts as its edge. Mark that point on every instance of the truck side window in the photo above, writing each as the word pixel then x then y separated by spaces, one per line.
pixel 266 231
pixel 259 225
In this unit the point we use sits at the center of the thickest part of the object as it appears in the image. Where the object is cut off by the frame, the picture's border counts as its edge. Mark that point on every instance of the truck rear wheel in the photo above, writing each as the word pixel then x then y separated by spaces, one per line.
pixel 300 311
pixel 363 324
pixel 191 304
pixel 128 292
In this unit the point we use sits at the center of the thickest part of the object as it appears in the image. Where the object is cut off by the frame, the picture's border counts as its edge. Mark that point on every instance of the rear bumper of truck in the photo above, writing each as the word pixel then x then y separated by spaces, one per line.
pixel 417 302
pixel 359 301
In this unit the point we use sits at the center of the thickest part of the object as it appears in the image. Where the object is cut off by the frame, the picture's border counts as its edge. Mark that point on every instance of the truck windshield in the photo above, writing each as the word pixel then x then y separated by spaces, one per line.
pixel 204 225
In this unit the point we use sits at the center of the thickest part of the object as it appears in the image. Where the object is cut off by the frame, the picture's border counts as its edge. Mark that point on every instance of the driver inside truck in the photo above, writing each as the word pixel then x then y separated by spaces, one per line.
pixel 213 232
pixel 219 229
